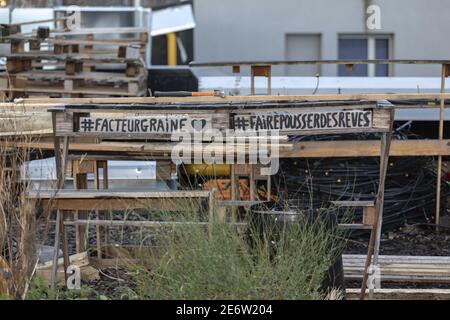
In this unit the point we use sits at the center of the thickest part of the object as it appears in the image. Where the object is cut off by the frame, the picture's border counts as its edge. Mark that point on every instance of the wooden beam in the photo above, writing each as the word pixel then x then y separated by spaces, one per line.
pixel 94 194
pixel 44 103
pixel 107 200
pixel 315 62
pixel 138 224
pixel 353 203
pixel 306 149
pixel 371 148
pixel 121 204
pixel 444 72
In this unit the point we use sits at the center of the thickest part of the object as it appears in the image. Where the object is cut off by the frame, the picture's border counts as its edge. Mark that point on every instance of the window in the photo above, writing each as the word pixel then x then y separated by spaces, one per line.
pixel 364 47
pixel 381 52
pixel 303 47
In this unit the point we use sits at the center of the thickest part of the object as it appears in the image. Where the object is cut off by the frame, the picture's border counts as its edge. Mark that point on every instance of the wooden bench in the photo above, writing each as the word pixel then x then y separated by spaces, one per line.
pixel 95 200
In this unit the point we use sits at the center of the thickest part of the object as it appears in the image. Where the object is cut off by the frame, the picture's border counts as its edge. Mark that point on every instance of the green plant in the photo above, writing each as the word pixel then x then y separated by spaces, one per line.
pixel 227 263
pixel 125 293
pixel 40 290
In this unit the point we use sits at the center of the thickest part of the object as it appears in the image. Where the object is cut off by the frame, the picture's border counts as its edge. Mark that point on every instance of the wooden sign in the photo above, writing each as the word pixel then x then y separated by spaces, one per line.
pixel 297 121
pixel 160 124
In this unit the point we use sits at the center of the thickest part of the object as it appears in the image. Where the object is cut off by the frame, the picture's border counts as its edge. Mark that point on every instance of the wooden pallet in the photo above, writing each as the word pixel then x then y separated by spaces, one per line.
pixel 62 63
pixel 94 83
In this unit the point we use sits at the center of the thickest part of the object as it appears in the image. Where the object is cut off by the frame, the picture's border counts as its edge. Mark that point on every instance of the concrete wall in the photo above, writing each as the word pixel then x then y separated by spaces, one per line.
pixel 256 30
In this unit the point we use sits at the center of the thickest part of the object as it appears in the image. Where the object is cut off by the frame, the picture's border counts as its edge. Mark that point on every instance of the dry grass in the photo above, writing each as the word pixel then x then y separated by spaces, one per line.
pixel 227 263
pixel 17 216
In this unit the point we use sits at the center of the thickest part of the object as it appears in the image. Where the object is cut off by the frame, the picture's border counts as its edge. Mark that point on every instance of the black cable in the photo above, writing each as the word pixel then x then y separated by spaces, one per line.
pixel 313 183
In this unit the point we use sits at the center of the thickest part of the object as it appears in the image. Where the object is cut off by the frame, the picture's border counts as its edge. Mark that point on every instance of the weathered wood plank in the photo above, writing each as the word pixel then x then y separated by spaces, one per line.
pixel 308 149
pixel 321 120
pixel 403 294
pixel 306 62
pixel 154 204
pixel 394 268
pixel 353 203
pixel 100 194
pixel 43 102
pixel 139 121
pixel 330 149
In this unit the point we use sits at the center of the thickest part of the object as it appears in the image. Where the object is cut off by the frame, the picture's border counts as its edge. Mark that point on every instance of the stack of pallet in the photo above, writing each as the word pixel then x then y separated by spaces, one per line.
pixel 73 63
pixel 405 269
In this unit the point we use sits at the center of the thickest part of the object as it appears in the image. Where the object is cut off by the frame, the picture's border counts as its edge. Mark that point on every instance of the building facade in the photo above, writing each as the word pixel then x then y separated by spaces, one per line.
pixel 236 30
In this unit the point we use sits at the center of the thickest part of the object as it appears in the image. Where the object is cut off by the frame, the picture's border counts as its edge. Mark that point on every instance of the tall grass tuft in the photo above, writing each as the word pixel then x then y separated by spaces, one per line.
pixel 17 224
pixel 235 262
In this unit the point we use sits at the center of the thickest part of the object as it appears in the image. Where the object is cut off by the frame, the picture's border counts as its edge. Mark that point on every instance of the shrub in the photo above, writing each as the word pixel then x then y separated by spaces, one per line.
pixel 229 263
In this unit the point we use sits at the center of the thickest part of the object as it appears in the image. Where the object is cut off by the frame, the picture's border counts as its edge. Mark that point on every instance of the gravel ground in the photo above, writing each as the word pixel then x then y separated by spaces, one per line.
pixel 412 240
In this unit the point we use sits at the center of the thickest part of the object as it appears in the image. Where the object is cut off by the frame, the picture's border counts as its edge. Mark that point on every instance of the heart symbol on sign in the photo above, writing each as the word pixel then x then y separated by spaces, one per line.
pixel 198 124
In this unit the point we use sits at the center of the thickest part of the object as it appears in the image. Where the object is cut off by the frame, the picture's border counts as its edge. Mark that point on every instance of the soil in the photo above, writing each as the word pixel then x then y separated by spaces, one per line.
pixel 412 240
pixel 416 239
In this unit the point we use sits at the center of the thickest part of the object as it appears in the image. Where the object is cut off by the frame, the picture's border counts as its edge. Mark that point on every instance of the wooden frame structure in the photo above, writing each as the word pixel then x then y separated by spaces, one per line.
pixel 264 67
pixel 65 201
pixel 126 122
pixel 28 73
pixel 221 111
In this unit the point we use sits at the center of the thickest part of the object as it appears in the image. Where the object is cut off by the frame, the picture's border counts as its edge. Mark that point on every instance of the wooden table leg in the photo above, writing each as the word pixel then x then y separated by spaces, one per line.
pixel 106 186
pixel 65 245
pixel 97 212
pixel 55 251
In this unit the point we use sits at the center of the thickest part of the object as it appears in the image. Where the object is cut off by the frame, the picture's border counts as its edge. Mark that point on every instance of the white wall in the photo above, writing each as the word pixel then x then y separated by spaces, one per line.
pixel 256 29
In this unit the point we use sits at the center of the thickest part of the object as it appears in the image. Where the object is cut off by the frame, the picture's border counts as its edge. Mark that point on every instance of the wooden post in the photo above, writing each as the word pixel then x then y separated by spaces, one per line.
pixel 60 161
pixel 252 182
pixel 80 183
pixel 55 251
pixel 97 213
pixel 269 188
pixel 234 181
pixel 375 235
pixel 441 136
pixel 385 145
pixel 57 147
pixel 65 246
pixel 104 165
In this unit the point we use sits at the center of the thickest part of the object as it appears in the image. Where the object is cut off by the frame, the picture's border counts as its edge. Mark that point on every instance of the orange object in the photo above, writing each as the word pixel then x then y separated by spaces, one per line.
pixel 204 94
pixel 223 187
